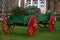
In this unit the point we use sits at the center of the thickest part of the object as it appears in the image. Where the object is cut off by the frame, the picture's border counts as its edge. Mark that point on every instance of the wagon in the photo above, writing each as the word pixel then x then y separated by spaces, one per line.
pixel 33 22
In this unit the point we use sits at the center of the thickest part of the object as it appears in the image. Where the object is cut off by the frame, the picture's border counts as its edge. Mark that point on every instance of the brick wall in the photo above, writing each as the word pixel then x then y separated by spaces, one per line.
pixel 52 5
pixel 58 7
pixel 22 3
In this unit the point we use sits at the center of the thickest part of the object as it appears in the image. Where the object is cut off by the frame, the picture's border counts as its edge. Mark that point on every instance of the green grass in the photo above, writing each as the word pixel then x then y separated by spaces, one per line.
pixel 20 33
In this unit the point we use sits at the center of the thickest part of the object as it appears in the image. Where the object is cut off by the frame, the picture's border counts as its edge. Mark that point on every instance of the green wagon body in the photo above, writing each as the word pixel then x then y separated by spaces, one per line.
pixel 44 17
pixel 23 19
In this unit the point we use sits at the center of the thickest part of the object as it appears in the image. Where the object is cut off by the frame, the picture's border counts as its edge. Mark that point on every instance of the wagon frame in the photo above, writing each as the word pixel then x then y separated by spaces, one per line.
pixel 33 22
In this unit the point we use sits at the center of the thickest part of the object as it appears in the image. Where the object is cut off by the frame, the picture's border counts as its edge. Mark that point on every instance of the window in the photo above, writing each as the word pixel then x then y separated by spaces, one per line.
pixel 29 3
pixel 35 3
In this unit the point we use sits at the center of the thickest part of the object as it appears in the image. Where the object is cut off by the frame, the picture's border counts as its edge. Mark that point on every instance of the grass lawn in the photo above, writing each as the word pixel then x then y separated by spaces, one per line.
pixel 20 33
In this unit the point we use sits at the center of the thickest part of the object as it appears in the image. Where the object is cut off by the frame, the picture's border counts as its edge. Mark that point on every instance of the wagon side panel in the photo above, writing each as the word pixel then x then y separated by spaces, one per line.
pixel 26 19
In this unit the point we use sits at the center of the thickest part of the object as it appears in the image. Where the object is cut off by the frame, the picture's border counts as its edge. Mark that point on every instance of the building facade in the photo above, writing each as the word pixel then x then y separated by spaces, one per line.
pixel 42 4
pixel 49 5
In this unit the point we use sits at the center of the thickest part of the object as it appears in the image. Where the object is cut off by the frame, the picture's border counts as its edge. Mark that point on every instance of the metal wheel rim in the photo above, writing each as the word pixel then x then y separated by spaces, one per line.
pixel 33 27
pixel 6 26
pixel 52 22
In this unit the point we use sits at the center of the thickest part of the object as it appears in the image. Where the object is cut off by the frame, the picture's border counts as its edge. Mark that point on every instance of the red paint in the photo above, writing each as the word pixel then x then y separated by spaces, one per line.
pixel 7 29
pixel 52 22
pixel 33 26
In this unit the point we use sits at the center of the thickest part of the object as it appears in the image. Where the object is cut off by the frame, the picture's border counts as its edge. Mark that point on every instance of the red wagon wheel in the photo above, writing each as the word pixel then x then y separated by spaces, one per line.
pixel 52 22
pixel 6 26
pixel 33 26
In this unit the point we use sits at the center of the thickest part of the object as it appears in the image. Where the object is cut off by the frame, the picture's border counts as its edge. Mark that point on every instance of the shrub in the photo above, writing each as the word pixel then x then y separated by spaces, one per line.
pixel 17 11
pixel 25 11
pixel 32 10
